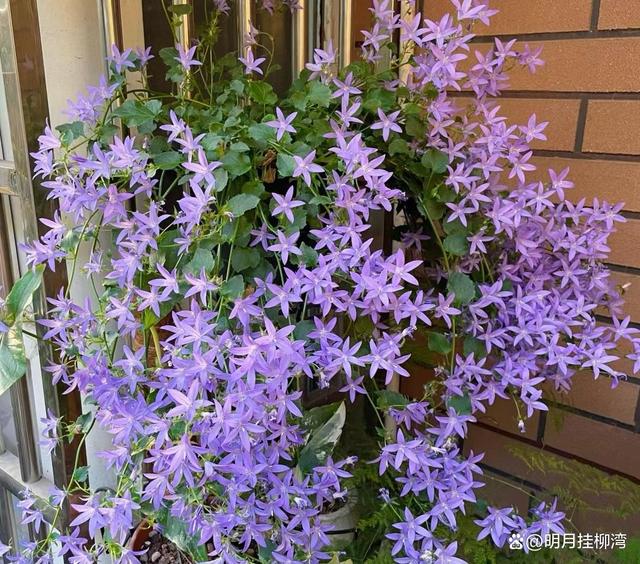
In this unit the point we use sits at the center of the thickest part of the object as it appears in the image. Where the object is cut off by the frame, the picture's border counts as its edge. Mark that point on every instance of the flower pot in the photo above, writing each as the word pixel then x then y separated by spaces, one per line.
pixel 159 550
pixel 343 521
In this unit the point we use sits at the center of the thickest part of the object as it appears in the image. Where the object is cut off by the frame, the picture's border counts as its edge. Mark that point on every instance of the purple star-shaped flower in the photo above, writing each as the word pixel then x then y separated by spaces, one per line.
pixel 387 123
pixel 286 204
pixel 286 246
pixel 283 123
pixel 251 64
pixel 121 60
pixel 186 57
pixel 305 166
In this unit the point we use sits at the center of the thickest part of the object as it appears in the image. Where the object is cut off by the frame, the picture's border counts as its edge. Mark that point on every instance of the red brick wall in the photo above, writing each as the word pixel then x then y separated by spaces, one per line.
pixel 589 91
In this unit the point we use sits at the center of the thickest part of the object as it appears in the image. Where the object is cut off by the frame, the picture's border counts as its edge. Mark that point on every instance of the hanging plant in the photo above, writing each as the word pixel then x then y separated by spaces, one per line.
pixel 228 231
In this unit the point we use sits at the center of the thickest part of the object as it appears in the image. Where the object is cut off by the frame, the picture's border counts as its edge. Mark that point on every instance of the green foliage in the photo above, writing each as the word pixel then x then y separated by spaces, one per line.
pixel 388 398
pixel 135 113
pixel 13 362
pixel 242 203
pixel 462 286
pixel 175 530
pixel 461 404
pixel 232 288
pixel 439 343
pixel 322 441
pixel 456 244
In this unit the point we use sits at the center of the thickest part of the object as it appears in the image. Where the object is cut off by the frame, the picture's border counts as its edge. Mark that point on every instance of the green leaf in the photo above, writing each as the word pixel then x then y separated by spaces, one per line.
pixel 309 255
pixel 286 164
pixel 456 244
pixel 438 343
pixel 314 418
pixel 13 363
pixel 21 294
pixel 242 203
pixel 299 100
pixel 81 474
pixel 455 226
pixel 262 92
pixel 265 553
pixel 379 98
pixel 211 141
pixel 180 9
pixel 262 133
pixel 399 147
pixel 244 258
pixel 319 94
pixel 435 160
pixel 236 163
pixel 84 421
pixel 435 210
pixel 462 286
pixel 202 258
pixel 237 86
pixel 462 404
pixel 240 147
pixel 168 160
pixel 168 248
pixel 322 442
pixel 415 127
pixel 69 132
pixel 176 531
pixel 221 177
pixel 630 554
pixel 475 346
pixel 135 113
pixel 233 287
pixel 388 398
pixel 254 187
pixel 303 329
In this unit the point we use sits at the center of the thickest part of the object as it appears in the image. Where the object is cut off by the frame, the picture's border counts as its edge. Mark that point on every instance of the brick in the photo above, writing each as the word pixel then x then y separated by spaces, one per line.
pixel 562 116
pixel 498 452
pixel 583 65
pixel 612 127
pixel 502 492
pixel 413 386
pixel 596 396
pixel 606 518
pixel 625 243
pixel 613 181
pixel 516 16
pixel 619 14
pixel 503 415
pixel 612 447
pixel 603 494
pixel 631 283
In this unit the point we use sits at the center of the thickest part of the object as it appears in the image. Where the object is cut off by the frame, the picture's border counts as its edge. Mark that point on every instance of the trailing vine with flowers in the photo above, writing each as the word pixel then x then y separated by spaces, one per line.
pixel 230 259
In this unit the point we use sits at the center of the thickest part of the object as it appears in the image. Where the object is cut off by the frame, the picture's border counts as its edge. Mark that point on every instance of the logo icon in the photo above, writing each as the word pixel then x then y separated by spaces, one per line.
pixel 516 541
pixel 535 542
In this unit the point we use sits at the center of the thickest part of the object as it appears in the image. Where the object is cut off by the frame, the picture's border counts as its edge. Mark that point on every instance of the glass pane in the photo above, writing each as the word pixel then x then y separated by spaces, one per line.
pixel 7 426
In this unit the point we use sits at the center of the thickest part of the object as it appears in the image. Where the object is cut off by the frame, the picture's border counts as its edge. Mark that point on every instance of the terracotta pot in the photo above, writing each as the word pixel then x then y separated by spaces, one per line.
pixel 140 536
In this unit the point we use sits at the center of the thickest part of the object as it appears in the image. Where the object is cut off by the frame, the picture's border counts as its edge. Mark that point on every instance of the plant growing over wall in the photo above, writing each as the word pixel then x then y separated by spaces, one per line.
pixel 227 236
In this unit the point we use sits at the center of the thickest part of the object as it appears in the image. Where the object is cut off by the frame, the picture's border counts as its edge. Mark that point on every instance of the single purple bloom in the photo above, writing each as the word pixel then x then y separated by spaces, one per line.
pixel 282 123
pixel 305 166
pixel 186 57
pixel 387 123
pixel 251 64
pixel 286 204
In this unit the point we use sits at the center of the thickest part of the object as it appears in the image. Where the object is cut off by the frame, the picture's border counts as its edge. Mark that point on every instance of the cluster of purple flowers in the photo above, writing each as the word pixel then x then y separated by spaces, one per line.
pixel 205 411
